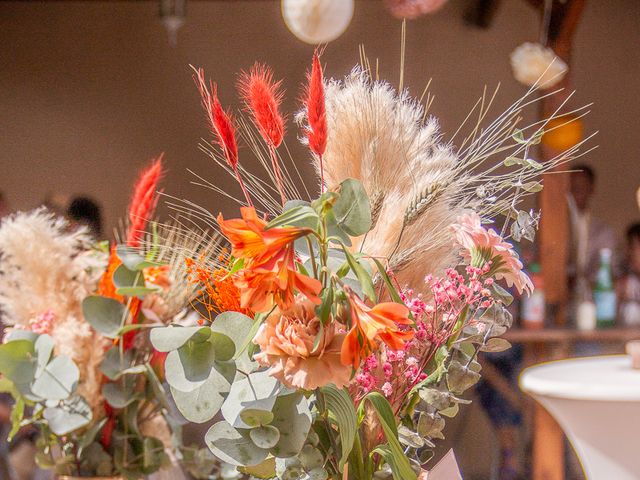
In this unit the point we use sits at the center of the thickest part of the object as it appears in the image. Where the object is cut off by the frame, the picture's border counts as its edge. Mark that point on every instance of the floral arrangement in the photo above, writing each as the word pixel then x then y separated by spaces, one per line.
pixel 338 332
pixel 329 336
pixel 76 358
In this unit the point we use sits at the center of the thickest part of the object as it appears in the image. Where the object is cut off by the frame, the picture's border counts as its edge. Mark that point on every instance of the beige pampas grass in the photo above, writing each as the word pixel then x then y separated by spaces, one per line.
pixel 417 184
pixel 46 267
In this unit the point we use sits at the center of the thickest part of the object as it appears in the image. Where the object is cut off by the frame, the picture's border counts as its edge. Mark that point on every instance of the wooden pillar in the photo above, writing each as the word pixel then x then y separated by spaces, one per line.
pixel 548 443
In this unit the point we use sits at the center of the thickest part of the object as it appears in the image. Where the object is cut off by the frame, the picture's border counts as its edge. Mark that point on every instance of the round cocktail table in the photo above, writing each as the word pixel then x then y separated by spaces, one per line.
pixel 596 401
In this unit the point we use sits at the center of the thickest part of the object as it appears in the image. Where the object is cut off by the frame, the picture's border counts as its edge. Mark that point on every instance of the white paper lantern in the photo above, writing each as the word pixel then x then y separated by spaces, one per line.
pixel 533 63
pixel 317 21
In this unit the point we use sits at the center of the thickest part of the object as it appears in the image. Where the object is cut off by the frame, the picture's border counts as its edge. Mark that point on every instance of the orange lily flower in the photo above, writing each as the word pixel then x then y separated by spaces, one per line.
pixel 371 324
pixel 270 276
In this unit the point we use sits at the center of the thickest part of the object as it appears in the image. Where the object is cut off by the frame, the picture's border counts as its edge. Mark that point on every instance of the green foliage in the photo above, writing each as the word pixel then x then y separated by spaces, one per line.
pixel 340 406
pixel 105 315
pixel 352 209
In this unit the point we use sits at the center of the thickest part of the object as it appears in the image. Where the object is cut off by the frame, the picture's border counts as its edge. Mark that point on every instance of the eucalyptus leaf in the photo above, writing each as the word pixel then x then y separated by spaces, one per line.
pixel 255 417
pixel 298 216
pixel 114 364
pixel 133 259
pixel 496 344
pixel 265 436
pixel 230 446
pixel 258 390
pixel 44 348
pixel 105 315
pixel 123 277
pixel 68 416
pixel 352 209
pixel 58 379
pixel 460 377
pixel 117 395
pixel 165 339
pixel 292 418
pixel 241 330
pixel 203 403
pixel 18 361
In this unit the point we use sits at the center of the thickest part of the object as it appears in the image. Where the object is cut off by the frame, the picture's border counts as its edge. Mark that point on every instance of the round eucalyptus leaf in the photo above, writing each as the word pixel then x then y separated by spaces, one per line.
pixel 113 365
pixel 123 277
pixel 310 457
pixel 17 361
pixel 44 348
pixel 223 346
pixel 68 416
pixel 258 390
pixel 352 209
pixel 265 436
pixel 118 396
pixel 292 418
pixel 105 315
pixel 231 446
pixel 202 404
pixel 189 367
pixel 237 327
pixel 58 380
pixel 165 339
pixel 256 418
pixel 460 377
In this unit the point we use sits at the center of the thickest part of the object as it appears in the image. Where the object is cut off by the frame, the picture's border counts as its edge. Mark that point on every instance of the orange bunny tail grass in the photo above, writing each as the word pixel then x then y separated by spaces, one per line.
pixel 316 113
pixel 222 126
pixel 262 97
pixel 144 202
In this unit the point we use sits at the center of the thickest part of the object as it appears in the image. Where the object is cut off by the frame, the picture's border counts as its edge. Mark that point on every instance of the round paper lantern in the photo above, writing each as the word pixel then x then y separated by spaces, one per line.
pixel 562 133
pixel 317 21
pixel 413 8
pixel 535 64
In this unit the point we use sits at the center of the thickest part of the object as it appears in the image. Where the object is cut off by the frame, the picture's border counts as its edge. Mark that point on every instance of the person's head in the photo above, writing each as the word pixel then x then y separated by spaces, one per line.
pixel 85 211
pixel 633 246
pixel 583 182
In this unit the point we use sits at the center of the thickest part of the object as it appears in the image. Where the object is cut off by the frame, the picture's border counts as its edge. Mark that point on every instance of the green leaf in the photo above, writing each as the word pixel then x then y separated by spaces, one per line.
pixel 394 453
pixel 44 348
pixel 17 414
pixel 496 344
pixel 114 364
pixel 323 311
pixel 339 404
pixel 363 276
pixel 258 390
pixel 58 379
pixel 70 415
pixel 139 292
pixel 352 209
pixel 298 216
pixel 166 339
pixel 460 377
pixel 532 187
pixel 105 315
pixel 266 469
pixel 231 446
pixel 255 417
pixel 511 161
pixel 123 277
pixel 90 435
pixel 393 292
pixel 190 366
pixel 203 403
pixel 132 258
pixel 501 294
pixel 119 396
pixel 533 164
pixel 292 418
pixel 18 361
pixel 265 436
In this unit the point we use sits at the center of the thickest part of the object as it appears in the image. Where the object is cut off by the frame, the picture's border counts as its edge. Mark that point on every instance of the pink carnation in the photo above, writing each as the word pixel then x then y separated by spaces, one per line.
pixel 287 339
pixel 486 247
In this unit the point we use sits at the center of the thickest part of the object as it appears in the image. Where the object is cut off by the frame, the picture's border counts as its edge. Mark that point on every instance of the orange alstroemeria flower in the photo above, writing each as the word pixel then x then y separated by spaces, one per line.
pixel 269 277
pixel 372 324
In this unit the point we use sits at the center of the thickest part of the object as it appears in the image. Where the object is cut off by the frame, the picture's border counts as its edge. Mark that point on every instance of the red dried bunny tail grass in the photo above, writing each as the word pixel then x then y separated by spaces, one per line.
pixel 316 113
pixel 144 201
pixel 262 97
pixel 222 126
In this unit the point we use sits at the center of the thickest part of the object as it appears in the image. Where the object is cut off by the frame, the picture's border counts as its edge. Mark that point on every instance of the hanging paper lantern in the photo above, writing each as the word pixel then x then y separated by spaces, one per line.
pixel 534 63
pixel 317 21
pixel 413 8
pixel 563 133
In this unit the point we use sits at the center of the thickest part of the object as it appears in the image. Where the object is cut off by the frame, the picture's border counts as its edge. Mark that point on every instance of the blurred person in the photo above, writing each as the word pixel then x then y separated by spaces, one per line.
pixel 589 234
pixel 629 284
pixel 85 211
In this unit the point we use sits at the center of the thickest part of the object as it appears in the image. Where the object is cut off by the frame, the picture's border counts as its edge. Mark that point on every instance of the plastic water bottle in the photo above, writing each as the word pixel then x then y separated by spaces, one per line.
pixel 604 294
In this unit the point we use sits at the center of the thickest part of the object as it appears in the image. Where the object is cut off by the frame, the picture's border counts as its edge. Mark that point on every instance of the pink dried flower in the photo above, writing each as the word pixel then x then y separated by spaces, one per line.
pixel 42 323
pixel 483 245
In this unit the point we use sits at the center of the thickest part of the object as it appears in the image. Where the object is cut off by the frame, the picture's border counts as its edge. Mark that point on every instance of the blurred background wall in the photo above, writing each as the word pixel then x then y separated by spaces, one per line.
pixel 90 90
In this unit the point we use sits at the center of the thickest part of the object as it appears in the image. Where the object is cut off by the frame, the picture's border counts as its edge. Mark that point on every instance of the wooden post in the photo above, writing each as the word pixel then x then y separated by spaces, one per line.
pixel 548 444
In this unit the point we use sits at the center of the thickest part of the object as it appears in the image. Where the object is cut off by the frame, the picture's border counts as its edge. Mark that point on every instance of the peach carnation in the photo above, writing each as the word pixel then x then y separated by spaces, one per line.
pixel 483 245
pixel 287 339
